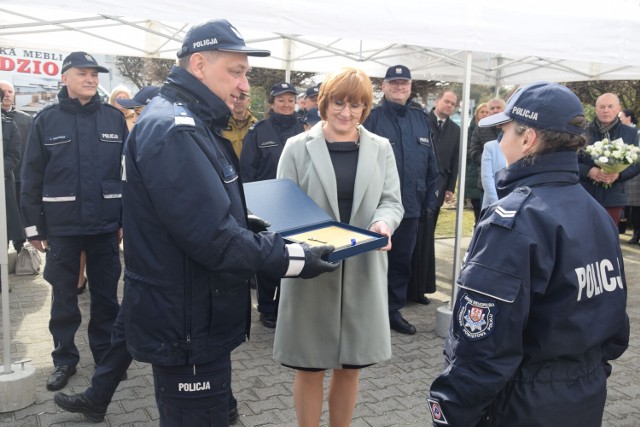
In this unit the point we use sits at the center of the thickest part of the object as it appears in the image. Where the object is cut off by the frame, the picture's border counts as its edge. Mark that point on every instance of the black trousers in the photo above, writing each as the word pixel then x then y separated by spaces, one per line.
pixel 112 367
pixel 403 242
pixel 194 395
pixel 103 271
pixel 423 263
pixel 268 294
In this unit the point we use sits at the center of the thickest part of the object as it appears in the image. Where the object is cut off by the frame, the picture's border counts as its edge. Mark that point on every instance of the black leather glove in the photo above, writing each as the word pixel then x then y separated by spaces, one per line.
pixel 257 224
pixel 306 261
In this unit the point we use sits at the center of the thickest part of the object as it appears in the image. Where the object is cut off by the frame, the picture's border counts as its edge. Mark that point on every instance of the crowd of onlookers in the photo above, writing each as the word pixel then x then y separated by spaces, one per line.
pixel 84 174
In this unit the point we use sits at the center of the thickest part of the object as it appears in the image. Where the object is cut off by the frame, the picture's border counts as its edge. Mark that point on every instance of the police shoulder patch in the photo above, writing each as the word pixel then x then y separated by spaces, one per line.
pixel 476 319
pixel 436 412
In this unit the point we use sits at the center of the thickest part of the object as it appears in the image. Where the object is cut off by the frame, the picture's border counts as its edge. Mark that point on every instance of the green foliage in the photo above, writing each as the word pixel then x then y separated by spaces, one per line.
pixel 588 92
pixel 258 101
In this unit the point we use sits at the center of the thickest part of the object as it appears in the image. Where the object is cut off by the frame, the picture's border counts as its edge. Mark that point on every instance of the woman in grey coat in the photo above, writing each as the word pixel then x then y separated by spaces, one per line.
pixel 339 321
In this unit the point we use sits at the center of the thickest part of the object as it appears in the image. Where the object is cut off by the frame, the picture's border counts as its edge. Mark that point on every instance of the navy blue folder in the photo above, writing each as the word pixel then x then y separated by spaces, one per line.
pixel 290 211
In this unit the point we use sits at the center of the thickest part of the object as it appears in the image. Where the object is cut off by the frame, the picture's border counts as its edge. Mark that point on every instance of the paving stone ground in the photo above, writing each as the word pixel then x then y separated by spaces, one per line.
pixel 391 393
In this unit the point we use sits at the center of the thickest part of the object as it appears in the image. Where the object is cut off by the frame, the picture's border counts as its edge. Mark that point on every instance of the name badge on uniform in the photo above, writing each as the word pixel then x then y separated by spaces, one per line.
pixel 423 140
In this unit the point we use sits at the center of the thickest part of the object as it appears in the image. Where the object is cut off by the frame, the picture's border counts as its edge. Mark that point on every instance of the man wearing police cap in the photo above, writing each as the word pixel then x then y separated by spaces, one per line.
pixel 71 202
pixel 407 128
pixel 189 252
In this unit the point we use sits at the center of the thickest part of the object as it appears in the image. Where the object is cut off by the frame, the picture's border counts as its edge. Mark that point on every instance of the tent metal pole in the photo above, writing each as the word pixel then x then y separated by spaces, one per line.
pixel 4 271
pixel 466 91
pixel 499 75
pixel 444 313
pixel 287 70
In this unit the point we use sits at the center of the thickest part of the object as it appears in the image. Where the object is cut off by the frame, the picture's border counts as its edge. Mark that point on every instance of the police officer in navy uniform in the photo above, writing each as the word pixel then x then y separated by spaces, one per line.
pixel 540 309
pixel 71 202
pixel 261 150
pixel 407 128
pixel 112 369
pixel 189 252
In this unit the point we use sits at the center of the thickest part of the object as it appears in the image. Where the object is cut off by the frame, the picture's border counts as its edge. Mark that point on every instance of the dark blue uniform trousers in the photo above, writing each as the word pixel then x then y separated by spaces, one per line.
pixel 194 395
pixel 112 367
pixel 403 243
pixel 103 271
pixel 268 294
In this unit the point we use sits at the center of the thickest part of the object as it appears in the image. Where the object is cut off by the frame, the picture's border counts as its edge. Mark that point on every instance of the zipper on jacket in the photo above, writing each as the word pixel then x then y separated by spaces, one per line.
pixel 187 305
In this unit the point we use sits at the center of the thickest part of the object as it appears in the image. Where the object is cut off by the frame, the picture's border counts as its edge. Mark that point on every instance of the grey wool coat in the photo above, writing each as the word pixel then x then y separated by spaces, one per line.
pixel 341 317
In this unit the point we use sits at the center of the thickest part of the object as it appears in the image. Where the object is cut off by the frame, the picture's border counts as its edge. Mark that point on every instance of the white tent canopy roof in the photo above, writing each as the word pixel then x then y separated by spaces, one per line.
pixel 552 40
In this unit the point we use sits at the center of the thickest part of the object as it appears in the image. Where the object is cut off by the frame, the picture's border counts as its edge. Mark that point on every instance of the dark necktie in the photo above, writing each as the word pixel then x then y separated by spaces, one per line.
pixel 440 125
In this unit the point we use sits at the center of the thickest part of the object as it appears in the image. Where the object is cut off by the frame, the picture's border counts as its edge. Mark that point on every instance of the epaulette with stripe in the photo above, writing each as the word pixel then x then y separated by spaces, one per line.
pixel 507 208
pixel 183 117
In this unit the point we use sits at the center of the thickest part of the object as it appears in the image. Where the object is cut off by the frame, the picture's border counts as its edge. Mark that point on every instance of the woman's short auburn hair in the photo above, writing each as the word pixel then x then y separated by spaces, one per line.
pixel 348 83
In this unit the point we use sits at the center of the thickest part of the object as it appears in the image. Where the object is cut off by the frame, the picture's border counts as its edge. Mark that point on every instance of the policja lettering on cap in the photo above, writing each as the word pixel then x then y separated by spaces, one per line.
pixel 218 34
pixel 542 105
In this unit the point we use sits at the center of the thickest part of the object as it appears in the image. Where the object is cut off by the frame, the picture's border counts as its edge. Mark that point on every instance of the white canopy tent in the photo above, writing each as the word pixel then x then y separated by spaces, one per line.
pixel 512 42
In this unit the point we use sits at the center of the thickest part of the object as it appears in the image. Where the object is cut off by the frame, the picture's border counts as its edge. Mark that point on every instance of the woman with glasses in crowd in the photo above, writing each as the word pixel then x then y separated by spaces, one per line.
pixel 339 321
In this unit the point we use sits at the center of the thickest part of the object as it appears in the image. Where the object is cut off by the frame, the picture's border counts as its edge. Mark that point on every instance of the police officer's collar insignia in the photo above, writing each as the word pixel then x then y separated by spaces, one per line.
pixel 436 412
pixel 476 318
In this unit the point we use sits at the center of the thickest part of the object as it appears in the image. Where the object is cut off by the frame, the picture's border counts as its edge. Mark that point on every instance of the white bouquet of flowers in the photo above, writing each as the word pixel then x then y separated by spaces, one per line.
pixel 613 156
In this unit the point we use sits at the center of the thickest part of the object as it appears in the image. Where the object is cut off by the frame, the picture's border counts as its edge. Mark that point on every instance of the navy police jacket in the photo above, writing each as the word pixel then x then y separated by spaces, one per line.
pixel 407 128
pixel 540 308
pixel 71 169
pixel 614 196
pixel 188 252
pixel 263 144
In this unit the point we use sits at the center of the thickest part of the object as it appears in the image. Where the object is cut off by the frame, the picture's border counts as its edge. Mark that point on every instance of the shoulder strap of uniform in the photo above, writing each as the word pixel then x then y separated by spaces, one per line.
pixel 48 107
pixel 255 125
pixel 182 116
pixel 504 215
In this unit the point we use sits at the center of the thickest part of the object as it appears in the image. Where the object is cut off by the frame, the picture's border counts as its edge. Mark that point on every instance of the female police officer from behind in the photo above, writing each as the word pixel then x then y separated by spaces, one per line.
pixel 540 308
